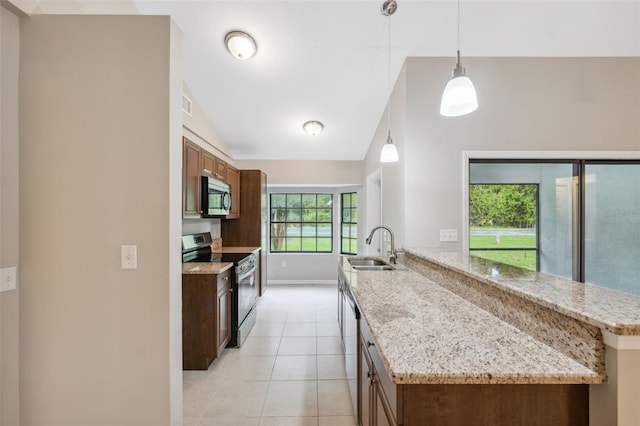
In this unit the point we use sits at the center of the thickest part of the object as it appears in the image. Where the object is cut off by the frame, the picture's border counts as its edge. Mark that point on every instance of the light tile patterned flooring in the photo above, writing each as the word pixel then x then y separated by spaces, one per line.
pixel 289 372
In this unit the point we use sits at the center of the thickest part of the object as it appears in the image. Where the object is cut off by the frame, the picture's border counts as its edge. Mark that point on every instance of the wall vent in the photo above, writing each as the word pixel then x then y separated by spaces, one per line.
pixel 186 105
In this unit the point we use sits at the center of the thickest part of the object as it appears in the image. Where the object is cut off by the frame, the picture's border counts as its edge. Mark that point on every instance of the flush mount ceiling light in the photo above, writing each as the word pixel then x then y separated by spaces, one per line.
pixel 389 153
pixel 240 44
pixel 459 97
pixel 313 128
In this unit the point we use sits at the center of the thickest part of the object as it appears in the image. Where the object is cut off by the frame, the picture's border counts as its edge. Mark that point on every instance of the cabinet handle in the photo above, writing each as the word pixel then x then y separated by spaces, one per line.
pixel 226 278
pixel 207 171
pixel 369 344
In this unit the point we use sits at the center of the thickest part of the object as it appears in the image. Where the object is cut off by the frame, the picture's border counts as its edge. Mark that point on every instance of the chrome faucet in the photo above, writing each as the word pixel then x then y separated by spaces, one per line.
pixel 394 255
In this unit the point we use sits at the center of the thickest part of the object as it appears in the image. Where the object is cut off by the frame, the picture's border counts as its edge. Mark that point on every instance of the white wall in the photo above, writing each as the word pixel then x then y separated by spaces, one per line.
pixel 308 172
pixel 100 144
pixel 9 215
pixel 584 104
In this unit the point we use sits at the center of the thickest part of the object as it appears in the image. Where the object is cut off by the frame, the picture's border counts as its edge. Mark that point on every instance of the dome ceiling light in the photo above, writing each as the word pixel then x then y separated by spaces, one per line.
pixel 241 45
pixel 313 128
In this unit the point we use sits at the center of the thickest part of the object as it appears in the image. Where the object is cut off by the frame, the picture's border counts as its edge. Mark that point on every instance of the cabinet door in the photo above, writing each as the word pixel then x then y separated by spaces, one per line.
pixel 366 388
pixel 191 157
pixel 224 311
pixel 382 416
pixel 220 170
pixel 233 179
pixel 208 163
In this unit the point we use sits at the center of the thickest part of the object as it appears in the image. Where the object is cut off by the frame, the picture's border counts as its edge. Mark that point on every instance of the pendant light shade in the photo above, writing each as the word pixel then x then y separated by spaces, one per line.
pixel 459 97
pixel 389 153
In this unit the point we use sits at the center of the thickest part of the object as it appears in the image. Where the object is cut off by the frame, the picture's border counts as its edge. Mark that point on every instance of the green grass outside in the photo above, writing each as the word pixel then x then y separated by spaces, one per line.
pixel 521 259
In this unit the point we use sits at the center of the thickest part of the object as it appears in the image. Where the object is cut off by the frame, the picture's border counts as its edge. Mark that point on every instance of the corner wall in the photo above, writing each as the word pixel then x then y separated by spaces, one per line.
pixel 100 143
pixel 9 216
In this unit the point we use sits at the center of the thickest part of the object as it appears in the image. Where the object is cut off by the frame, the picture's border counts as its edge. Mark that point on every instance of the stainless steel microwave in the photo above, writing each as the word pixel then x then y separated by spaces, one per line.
pixel 215 200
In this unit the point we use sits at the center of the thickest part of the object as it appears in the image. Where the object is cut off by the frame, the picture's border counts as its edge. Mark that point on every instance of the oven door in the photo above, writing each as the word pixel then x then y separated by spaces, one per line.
pixel 247 292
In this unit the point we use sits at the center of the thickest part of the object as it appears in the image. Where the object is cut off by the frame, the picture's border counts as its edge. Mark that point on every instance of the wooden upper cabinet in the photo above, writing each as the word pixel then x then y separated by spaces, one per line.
pixel 233 179
pixel 191 167
pixel 208 163
pixel 220 170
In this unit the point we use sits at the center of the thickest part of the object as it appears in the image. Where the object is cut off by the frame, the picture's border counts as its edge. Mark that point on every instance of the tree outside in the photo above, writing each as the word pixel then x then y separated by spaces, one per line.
pixel 503 218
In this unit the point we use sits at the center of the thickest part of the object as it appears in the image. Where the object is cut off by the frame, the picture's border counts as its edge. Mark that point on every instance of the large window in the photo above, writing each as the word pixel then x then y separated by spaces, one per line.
pixel 301 223
pixel 502 221
pixel 349 223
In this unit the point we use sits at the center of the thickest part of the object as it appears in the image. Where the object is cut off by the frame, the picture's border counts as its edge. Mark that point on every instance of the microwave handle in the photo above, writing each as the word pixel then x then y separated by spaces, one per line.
pixel 226 201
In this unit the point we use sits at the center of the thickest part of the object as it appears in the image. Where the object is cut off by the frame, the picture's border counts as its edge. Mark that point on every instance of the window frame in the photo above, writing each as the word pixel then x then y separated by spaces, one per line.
pixel 289 212
pixel 351 223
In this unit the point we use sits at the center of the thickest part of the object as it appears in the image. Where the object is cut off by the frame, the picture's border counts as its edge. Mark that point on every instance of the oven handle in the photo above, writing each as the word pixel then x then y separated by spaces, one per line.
pixel 246 274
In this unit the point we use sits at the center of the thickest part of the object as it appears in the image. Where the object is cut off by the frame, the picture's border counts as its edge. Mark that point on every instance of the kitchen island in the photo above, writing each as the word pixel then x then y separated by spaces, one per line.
pixel 427 353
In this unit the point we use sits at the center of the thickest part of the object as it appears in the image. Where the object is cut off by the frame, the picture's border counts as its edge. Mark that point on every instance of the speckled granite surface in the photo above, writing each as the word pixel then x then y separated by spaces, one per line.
pixel 427 334
pixel 205 267
pixel 616 312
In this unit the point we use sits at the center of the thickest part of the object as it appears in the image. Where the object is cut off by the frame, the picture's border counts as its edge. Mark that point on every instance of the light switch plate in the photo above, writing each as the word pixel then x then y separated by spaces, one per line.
pixel 8 279
pixel 448 235
pixel 129 257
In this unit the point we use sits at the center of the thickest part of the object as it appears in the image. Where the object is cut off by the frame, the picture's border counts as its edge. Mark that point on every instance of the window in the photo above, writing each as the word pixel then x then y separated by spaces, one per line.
pixel 349 223
pixel 502 221
pixel 301 223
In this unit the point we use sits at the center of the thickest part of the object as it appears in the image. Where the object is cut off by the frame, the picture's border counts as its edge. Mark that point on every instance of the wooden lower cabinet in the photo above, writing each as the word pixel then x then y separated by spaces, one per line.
pixel 383 402
pixel 206 318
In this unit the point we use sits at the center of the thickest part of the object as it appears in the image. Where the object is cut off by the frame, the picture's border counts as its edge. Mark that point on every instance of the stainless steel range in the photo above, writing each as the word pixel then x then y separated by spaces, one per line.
pixel 197 248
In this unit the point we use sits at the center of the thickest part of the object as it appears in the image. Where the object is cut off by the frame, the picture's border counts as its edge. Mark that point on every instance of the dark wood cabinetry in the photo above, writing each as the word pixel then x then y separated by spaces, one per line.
pixel 197 162
pixel 233 179
pixel 206 318
pixel 383 402
pixel 191 167
pixel 250 229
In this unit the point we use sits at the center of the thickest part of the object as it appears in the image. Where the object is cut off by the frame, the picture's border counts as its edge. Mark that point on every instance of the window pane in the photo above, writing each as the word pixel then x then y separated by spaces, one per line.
pixel 612 226
pixel 345 230
pixel 324 230
pixel 324 244
pixel 346 245
pixel 324 200
pixel 293 244
pixel 308 244
pixel 308 200
pixel 309 215
pixel 346 201
pixel 346 215
pixel 354 246
pixel 520 258
pixel 293 230
pixel 309 230
pixel 354 231
pixel 354 199
pixel 293 215
pixel 293 200
pixel 278 200
pixel 324 215
pixel 278 215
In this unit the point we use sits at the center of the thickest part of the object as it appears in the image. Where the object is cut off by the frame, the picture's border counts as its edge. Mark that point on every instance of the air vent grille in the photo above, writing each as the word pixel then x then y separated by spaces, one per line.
pixel 186 105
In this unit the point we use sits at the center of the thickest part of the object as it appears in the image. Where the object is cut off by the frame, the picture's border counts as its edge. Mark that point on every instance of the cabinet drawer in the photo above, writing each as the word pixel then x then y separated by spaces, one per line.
pixel 390 391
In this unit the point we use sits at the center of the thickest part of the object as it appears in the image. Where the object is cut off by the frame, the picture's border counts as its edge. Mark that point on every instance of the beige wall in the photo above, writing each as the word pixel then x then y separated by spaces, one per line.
pixel 307 172
pixel 100 141
pixel 9 215
pixel 556 104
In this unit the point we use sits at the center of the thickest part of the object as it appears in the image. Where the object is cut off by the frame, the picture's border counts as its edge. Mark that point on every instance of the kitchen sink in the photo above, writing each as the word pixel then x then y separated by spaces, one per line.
pixel 373 267
pixel 370 264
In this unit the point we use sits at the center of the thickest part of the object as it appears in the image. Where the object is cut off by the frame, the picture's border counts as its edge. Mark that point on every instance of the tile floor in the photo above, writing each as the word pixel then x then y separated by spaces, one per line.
pixel 289 372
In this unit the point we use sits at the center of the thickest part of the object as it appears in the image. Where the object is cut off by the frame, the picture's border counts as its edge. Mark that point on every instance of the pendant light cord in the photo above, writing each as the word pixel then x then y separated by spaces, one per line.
pixel 389 81
pixel 458 24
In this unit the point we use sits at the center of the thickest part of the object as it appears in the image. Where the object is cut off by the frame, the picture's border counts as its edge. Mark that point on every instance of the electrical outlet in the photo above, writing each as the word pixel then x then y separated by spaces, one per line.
pixel 448 235
pixel 129 257
pixel 284 263
pixel 8 279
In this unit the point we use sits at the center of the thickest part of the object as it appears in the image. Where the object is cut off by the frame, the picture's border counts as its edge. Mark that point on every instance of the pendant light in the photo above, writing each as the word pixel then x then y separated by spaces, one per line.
pixel 389 153
pixel 459 97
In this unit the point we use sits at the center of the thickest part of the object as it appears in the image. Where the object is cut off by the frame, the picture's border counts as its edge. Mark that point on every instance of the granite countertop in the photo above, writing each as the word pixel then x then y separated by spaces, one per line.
pixel 427 334
pixel 236 249
pixel 205 267
pixel 607 309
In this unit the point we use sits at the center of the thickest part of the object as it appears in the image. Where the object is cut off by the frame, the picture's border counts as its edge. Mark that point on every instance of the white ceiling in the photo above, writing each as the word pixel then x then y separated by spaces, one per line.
pixel 327 60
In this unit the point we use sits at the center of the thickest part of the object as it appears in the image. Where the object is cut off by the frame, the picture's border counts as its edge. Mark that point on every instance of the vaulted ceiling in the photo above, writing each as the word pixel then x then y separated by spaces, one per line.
pixel 328 60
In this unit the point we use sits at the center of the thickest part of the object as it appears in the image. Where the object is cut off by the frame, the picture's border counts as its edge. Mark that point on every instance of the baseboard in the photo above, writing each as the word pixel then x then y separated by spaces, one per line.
pixel 303 282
